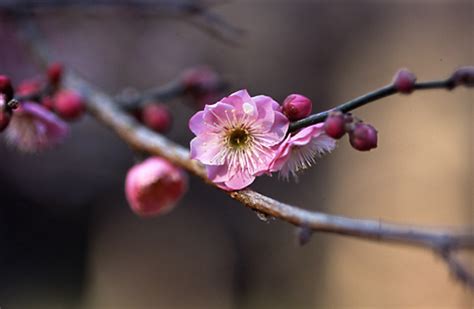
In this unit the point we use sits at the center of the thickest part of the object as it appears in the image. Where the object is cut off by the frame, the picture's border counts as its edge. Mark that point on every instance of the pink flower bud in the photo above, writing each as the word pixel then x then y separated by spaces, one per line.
pixel 463 76
pixel 335 125
pixel 363 137
pixel 157 117
pixel 6 88
pixel 154 186
pixel 69 104
pixel 404 81
pixel 296 107
pixel 55 72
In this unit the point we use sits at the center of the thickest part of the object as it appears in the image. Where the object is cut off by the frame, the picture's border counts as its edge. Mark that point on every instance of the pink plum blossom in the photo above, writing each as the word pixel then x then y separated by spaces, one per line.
pixel 236 138
pixel 34 128
pixel 154 186
pixel 299 151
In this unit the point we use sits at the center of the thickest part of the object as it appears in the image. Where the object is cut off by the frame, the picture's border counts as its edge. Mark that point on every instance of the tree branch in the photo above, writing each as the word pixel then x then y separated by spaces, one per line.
pixel 105 110
pixel 365 99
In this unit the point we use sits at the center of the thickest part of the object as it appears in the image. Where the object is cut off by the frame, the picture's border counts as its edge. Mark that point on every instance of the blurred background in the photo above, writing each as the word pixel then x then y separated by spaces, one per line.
pixel 69 240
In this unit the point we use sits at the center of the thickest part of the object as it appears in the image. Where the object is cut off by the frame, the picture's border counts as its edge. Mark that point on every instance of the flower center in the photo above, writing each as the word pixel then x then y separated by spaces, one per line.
pixel 238 138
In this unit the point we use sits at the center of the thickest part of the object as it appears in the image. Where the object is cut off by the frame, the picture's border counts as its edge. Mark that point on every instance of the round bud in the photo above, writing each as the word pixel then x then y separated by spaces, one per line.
pixel 404 81
pixel 335 125
pixel 157 117
pixel 463 76
pixel 297 107
pixel 55 72
pixel 154 186
pixel 363 137
pixel 69 105
pixel 6 87
pixel 29 87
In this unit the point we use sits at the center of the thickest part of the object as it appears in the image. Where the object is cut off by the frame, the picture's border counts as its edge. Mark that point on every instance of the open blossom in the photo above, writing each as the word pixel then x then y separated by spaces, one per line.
pixel 299 151
pixel 34 128
pixel 235 138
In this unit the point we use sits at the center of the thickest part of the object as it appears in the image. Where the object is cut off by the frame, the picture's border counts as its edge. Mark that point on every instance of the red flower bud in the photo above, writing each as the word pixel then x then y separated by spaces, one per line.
pixel 463 76
pixel 29 87
pixel 404 81
pixel 6 88
pixel 363 137
pixel 157 117
pixel 69 105
pixel 154 186
pixel 55 72
pixel 335 125
pixel 296 107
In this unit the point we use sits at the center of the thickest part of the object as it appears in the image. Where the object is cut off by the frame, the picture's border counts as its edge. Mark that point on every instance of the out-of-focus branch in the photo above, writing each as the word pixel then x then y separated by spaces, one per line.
pixel 202 16
pixel 442 241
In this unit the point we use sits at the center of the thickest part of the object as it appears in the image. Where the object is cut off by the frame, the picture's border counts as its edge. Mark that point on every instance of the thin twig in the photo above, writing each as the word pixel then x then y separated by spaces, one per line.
pixel 365 99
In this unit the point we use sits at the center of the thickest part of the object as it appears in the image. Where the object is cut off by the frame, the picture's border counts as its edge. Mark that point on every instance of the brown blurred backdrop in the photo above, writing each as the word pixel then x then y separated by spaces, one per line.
pixel 68 239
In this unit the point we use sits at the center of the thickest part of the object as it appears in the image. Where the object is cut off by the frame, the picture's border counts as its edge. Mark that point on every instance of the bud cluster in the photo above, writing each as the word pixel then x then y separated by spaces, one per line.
pixel 362 136
pixel 46 92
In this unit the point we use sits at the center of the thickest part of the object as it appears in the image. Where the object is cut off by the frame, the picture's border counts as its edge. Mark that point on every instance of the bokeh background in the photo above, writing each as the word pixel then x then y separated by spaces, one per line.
pixel 69 240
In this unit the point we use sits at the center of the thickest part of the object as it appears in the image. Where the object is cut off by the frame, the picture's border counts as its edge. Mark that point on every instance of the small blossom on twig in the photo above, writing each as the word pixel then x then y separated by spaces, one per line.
pixel 300 150
pixel 296 107
pixel 33 128
pixel 154 187
pixel 235 138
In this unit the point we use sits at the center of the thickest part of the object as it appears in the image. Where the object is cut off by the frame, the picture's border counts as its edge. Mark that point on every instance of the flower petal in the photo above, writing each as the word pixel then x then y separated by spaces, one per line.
pixel 238 181
pixel 217 173
pixel 206 148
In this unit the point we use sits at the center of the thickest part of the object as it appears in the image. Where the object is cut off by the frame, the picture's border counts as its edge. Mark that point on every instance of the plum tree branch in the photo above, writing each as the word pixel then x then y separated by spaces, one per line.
pixel 368 98
pixel 444 242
